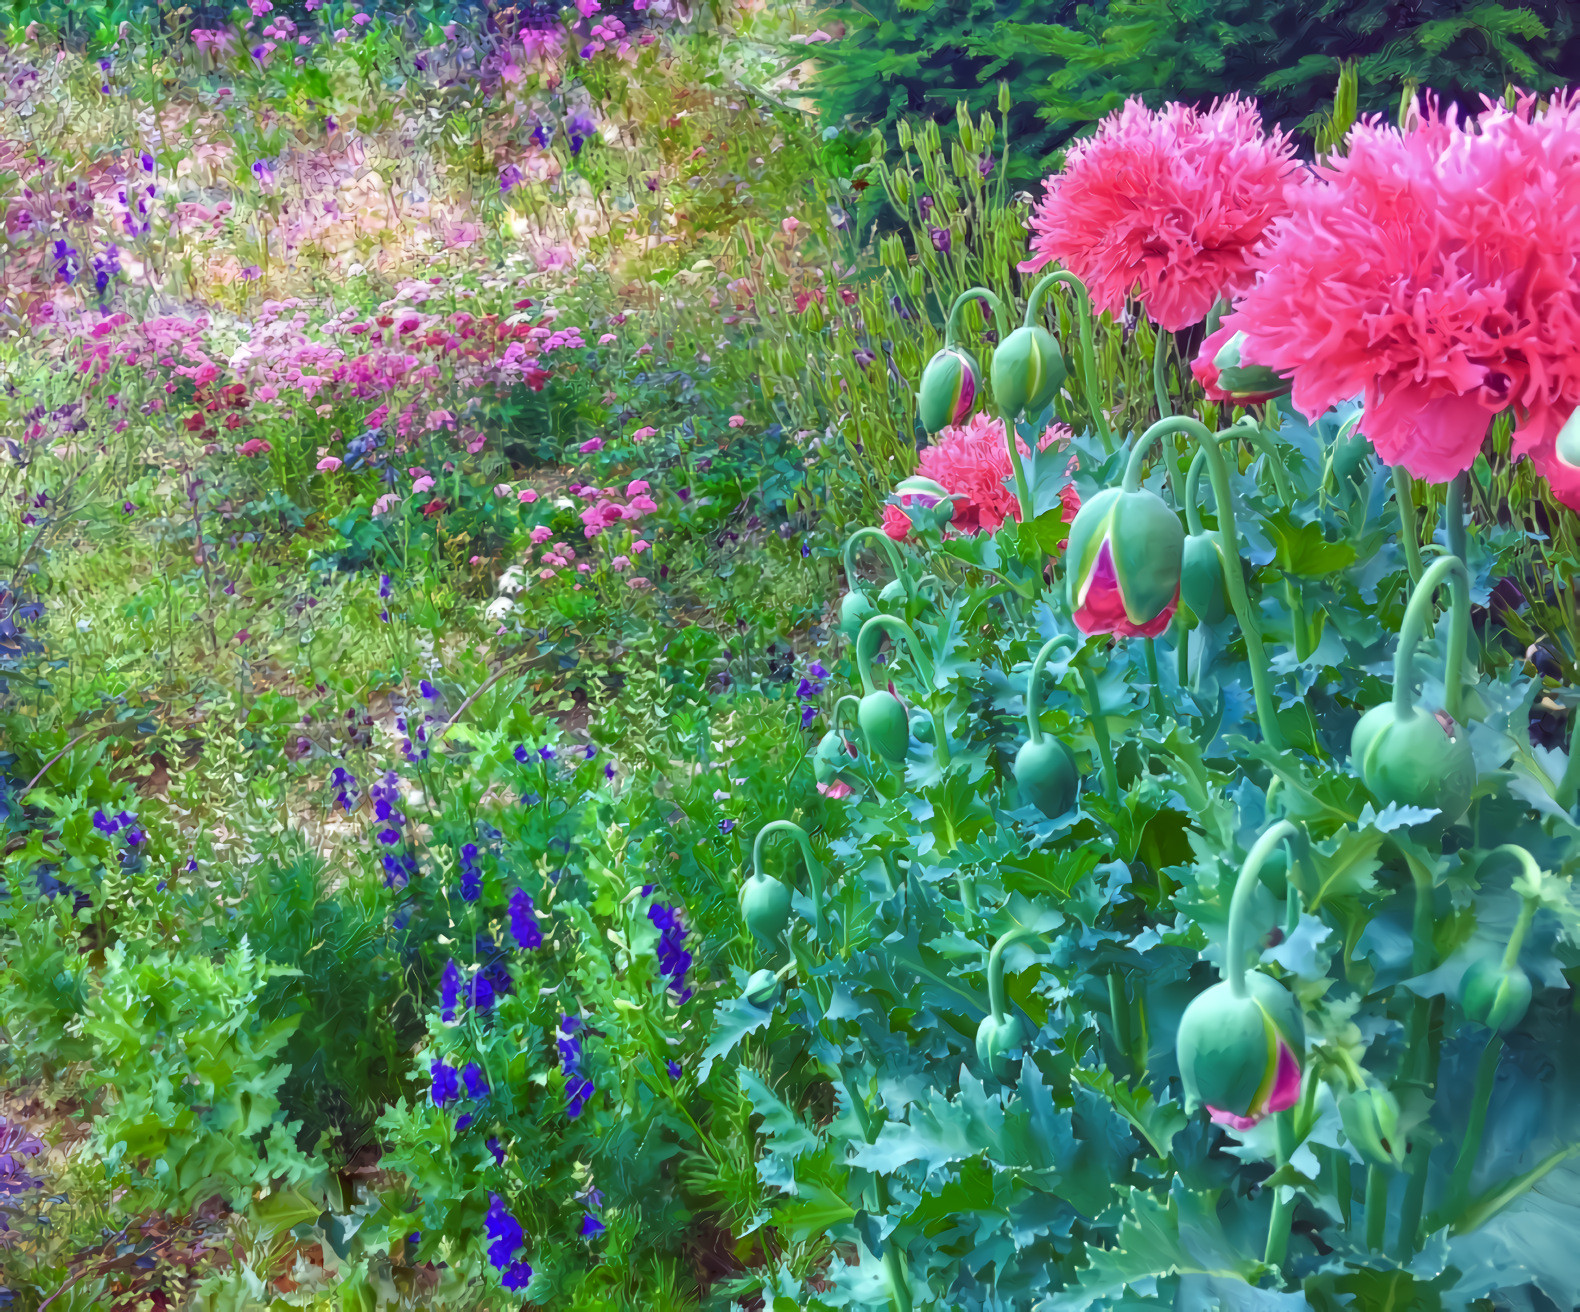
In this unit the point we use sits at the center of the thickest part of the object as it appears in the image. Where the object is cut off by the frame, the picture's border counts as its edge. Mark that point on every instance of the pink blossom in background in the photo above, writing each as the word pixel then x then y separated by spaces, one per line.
pixel 639 583
pixel 737 421
pixel 789 225
pixel 973 460
pixel 503 489
pixel 527 496
pixel 329 464
pixel 421 485
pixel 591 445
pixel 896 523
pixel 620 563
pixel 1168 205
pixel 639 546
pixel 255 446
pixel 1437 271
pixel 642 434
pixel 541 534
pixel 637 486
pixel 607 338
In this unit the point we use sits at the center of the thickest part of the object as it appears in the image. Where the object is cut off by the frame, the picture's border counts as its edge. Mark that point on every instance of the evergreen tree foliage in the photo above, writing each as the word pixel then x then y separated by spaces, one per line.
pixel 1068 65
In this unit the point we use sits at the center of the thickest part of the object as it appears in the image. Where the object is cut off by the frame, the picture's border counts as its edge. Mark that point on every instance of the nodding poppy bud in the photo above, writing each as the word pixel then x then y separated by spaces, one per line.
pixel 1046 775
pixel 1125 553
pixel 1202 591
pixel 1495 996
pixel 1224 376
pixel 997 1037
pixel 854 611
pixel 762 989
pixel 765 906
pixel 1417 758
pixel 1239 1056
pixel 1371 1123
pixel 949 389
pixel 884 720
pixel 1027 371
pixel 931 505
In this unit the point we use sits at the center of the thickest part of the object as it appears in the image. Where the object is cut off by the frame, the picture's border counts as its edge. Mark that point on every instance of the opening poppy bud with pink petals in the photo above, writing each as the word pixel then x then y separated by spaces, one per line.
pixel 1221 370
pixel 1239 1056
pixel 1125 552
pixel 949 388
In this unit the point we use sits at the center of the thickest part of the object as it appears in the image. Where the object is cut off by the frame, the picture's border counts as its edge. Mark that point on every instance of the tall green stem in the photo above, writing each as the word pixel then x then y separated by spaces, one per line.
pixel 995 968
pixel 1022 488
pixel 1291 1127
pixel 1064 642
pixel 1240 903
pixel 1376 1206
pixel 1258 437
pixel 1229 548
pixel 893 1260
pixel 1089 381
pixel 1105 750
pixel 887 543
pixel 1413 628
pixel 1409 535
pixel 1119 1013
pixel 1475 1126
pixel 1459 545
pixel 814 871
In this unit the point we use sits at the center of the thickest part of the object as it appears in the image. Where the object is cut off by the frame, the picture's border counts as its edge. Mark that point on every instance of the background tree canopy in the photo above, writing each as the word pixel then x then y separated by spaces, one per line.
pixel 1070 64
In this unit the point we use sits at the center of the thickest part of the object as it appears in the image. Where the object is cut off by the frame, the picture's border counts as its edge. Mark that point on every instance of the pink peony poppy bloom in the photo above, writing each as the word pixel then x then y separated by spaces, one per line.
pixel 973 460
pixel 896 523
pixel 1436 271
pixel 1168 205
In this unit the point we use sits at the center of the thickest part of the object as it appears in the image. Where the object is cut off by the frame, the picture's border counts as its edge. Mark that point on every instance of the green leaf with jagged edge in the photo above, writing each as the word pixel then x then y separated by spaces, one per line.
pixel 733 1020
pixel 1157 1122
pixel 1157 1238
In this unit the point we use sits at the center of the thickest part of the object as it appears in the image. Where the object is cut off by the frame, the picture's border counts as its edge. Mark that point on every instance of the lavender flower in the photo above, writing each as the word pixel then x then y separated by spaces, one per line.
pixel 476 1084
pixel 524 921
pixel 449 991
pixel 508 1237
pixel 446 1083
pixel 673 959
pixel 579 128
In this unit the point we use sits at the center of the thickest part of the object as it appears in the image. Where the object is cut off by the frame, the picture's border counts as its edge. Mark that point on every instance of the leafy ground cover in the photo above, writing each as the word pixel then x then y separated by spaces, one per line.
pixel 557 754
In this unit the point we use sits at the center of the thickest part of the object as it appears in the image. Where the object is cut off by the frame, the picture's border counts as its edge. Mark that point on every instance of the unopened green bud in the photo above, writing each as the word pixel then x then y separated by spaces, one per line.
pixel 886 724
pixel 948 390
pixel 1421 758
pixel 812 316
pixel 762 989
pixel 968 134
pixel 1371 1123
pixel 1003 98
pixel 900 179
pixel 1495 997
pixel 1027 371
pixel 1201 579
pixel 918 280
pixel 903 131
pixel 996 1039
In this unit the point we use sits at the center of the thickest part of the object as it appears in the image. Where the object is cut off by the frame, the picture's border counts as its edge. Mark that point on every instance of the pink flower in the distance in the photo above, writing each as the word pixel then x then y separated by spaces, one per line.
pixel 1168 205
pixel 607 338
pixel 973 460
pixel 789 225
pixel 421 485
pixel 637 486
pixel 255 446
pixel 590 445
pixel 639 546
pixel 642 434
pixel 329 464
pixel 502 489
pixel 527 496
pixel 639 583
pixel 737 421
pixel 1436 271
pixel 620 563
pixel 541 534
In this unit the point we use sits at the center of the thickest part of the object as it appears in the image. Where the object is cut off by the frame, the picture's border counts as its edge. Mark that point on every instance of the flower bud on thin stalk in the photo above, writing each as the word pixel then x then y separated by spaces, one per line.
pixel 1241 1042
pixel 1001 1033
pixel 857 607
pixel 884 718
pixel 765 901
pixel 1045 771
pixel 1407 756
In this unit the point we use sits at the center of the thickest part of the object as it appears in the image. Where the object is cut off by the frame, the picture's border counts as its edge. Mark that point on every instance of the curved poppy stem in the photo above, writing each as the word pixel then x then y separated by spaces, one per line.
pixel 1416 614
pixel 894 625
pixel 814 871
pixel 1088 355
pixel 1105 750
pixel 1259 438
pixel 855 704
pixel 1240 902
pixel 1409 534
pixel 995 967
pixel 952 324
pixel 1198 463
pixel 896 562
pixel 1022 487
pixel 1228 548
pixel 1064 642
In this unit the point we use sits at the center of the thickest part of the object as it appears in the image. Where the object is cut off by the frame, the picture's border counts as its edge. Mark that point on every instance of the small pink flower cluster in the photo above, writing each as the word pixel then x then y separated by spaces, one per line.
pixel 608 508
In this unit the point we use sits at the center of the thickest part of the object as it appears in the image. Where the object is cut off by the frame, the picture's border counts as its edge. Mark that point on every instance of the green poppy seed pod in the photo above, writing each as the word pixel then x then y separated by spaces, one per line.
pixel 949 388
pixel 1239 1056
pixel 923 730
pixel 902 186
pixel 996 1039
pixel 1124 557
pixel 1027 371
pixel 1493 996
pixel 1371 1123
pixel 1420 758
pixel 903 133
pixel 1202 591
pixel 1046 775
pixel 884 721
pixel 918 280
pixel 765 906
pixel 762 989
pixel 812 316
pixel 1003 98
pixel 855 610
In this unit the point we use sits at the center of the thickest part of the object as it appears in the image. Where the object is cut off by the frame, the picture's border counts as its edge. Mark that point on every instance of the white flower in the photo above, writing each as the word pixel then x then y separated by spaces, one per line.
pixel 498 608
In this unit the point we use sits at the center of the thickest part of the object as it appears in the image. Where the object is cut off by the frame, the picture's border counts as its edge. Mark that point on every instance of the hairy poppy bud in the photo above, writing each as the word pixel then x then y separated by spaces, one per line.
pixel 855 609
pixel 1027 371
pixel 949 389
pixel 833 753
pixel 765 906
pixel 1420 758
pixel 997 1037
pixel 1371 1123
pixel 1201 579
pixel 1226 377
pixel 1240 1055
pixel 1125 554
pixel 762 989
pixel 885 722
pixel 1494 996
